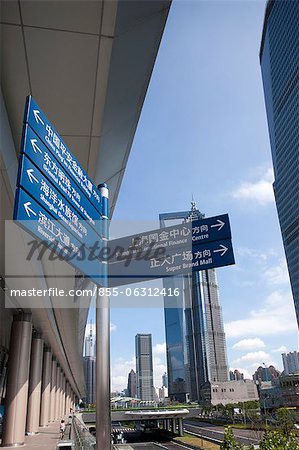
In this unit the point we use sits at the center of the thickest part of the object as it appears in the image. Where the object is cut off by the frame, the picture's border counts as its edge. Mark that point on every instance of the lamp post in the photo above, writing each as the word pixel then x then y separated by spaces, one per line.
pixel 265 410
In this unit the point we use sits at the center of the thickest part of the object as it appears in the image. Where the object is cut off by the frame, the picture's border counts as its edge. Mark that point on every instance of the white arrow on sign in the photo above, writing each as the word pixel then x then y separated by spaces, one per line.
pixel 222 250
pixel 220 224
pixel 31 176
pixel 34 146
pixel 29 210
pixel 36 113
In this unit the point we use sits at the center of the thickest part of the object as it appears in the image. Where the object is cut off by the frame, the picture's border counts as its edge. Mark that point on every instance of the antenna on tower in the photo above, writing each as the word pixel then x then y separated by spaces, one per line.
pixel 193 204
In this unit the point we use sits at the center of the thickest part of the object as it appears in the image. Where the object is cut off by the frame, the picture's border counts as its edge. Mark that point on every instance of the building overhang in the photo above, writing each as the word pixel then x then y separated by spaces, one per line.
pixel 88 65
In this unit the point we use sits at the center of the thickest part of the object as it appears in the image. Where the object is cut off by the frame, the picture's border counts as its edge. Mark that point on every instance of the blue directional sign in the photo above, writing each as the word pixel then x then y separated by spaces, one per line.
pixel 42 190
pixel 55 199
pixel 39 123
pixel 44 160
pixel 37 221
pixel 178 262
pixel 188 235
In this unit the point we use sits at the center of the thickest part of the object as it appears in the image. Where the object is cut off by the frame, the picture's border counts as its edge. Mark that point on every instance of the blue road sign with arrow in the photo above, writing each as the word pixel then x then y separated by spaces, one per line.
pixel 40 188
pixel 44 160
pixel 55 199
pixel 180 261
pixel 38 222
pixel 39 123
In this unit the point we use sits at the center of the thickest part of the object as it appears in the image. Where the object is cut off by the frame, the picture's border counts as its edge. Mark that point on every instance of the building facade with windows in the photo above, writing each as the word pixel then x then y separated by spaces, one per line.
pixel 290 363
pixel 195 339
pixel 132 384
pixel 89 365
pixel 279 56
pixel 144 367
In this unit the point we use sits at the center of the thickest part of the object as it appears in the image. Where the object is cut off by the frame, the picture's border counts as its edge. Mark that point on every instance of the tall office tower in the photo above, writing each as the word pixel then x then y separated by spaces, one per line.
pixel 89 365
pixel 290 362
pixel 132 384
pixel 279 56
pixel 144 367
pixel 195 339
pixel 90 343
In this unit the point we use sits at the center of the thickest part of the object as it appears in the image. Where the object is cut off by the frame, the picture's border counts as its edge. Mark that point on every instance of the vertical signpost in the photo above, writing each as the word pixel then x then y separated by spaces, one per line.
pixel 103 413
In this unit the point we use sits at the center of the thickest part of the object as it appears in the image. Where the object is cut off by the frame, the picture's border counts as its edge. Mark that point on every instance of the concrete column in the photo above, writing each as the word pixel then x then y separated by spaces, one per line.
pixel 60 394
pixel 53 390
pixel 63 396
pixel 68 404
pixel 181 429
pixel 173 426
pixel 57 392
pixel 35 384
pixel 167 424
pixel 46 388
pixel 17 381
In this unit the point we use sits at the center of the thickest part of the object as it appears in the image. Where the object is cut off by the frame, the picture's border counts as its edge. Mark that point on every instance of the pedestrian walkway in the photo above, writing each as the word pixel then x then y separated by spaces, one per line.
pixel 46 439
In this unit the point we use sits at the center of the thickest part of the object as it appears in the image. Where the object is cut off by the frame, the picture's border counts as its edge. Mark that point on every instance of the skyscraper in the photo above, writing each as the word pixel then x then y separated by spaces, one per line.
pixel 195 339
pixel 290 362
pixel 279 56
pixel 89 365
pixel 144 367
pixel 132 385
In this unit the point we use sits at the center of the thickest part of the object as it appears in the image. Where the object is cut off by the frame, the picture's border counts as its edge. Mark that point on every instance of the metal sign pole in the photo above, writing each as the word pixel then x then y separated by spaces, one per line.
pixel 103 413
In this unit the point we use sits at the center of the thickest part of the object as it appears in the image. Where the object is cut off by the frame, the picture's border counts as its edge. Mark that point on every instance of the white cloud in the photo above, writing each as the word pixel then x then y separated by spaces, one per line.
pixel 277 275
pixel 249 344
pixel 119 373
pixel 247 375
pixel 281 349
pixel 113 327
pixel 275 316
pixel 159 363
pixel 252 357
pixel 159 349
pixel 260 191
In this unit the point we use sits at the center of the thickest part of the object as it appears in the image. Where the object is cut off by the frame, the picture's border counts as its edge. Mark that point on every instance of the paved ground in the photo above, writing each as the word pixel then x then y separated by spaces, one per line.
pixel 45 440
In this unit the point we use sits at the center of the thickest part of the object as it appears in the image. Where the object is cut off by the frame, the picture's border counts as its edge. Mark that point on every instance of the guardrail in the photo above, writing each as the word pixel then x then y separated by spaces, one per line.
pixel 82 438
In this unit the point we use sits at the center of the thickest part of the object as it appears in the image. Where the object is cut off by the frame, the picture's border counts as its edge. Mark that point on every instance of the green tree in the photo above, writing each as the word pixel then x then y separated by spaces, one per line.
pixel 229 441
pixel 276 440
pixel 287 419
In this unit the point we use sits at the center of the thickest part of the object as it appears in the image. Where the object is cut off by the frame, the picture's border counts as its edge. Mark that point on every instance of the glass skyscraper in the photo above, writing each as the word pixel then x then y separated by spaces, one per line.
pixel 195 339
pixel 279 56
pixel 144 367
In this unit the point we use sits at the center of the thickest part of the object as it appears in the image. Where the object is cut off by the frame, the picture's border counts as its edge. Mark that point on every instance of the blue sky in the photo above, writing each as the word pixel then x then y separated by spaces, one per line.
pixel 203 131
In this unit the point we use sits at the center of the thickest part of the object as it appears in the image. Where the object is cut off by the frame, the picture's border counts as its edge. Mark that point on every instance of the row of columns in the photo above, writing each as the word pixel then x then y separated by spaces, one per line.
pixel 173 424
pixel 37 391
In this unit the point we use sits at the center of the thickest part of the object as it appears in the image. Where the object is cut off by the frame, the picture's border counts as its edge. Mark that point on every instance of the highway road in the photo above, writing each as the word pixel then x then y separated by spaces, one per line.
pixel 216 432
